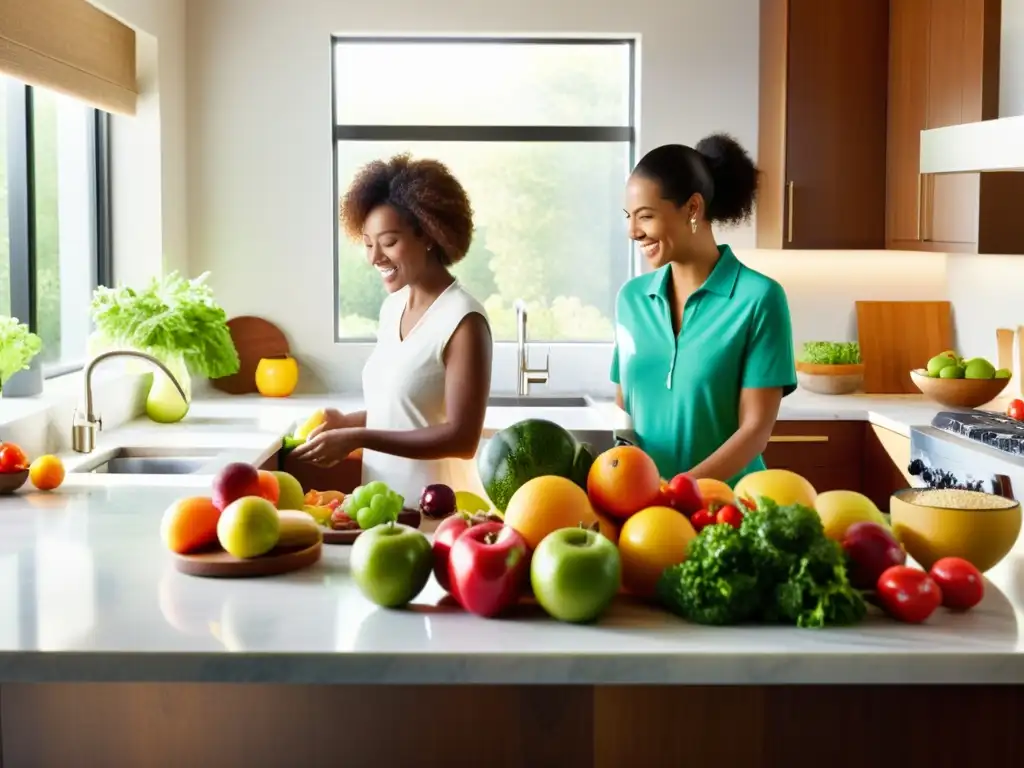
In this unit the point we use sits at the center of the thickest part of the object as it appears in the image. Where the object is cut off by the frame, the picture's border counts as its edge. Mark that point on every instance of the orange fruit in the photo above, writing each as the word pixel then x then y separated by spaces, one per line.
pixel 545 504
pixel 623 480
pixel 270 489
pixel 190 524
pixel 46 472
pixel 650 541
pixel 715 492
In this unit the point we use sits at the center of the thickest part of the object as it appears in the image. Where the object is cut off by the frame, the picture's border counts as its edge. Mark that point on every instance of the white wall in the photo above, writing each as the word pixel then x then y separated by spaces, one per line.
pixel 150 210
pixel 260 178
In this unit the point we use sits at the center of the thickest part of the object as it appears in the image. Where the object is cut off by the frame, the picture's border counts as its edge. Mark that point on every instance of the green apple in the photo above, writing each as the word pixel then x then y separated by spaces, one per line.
pixel 248 527
pixel 575 573
pixel 391 564
pixel 291 496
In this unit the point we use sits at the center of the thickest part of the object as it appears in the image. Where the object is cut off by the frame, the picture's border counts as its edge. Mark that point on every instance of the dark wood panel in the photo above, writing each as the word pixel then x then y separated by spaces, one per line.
pixel 836 122
pixel 510 726
pixel 906 116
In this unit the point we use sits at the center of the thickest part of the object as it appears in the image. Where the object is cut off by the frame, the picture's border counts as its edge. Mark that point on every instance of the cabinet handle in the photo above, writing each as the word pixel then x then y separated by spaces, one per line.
pixel 920 207
pixel 798 439
pixel 789 211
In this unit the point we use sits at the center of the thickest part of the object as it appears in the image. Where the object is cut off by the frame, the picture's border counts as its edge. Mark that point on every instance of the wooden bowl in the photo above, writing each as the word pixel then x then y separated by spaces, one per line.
pixel 931 524
pixel 958 393
pixel 12 481
pixel 830 379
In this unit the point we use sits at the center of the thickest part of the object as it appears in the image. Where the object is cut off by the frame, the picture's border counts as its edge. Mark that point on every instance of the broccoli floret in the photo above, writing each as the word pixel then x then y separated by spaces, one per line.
pixel 716 584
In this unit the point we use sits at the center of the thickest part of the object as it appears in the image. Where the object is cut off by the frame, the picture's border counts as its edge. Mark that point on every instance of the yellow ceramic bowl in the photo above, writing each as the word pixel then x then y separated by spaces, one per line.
pixel 277 376
pixel 932 524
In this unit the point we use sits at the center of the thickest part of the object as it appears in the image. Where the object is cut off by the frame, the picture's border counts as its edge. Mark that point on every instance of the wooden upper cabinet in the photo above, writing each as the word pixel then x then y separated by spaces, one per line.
pixel 822 146
pixel 944 70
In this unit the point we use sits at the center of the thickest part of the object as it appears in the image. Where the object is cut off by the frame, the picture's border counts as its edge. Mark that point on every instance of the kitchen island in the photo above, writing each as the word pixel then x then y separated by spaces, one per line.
pixel 101 633
pixel 109 653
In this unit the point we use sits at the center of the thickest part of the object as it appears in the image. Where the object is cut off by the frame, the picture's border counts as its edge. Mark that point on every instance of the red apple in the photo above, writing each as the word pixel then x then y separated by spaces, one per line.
pixel 234 481
pixel 684 494
pixel 872 549
pixel 444 537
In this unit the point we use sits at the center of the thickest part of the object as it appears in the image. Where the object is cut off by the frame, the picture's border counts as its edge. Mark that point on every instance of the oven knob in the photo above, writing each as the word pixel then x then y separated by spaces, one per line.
pixel 916 467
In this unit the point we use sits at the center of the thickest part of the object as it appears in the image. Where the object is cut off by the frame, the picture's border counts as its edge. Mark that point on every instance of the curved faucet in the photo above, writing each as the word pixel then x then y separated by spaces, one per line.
pixel 525 376
pixel 85 426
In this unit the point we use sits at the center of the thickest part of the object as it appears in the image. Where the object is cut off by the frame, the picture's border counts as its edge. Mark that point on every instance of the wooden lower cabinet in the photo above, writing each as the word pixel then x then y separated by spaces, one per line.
pixel 842 455
pixel 485 726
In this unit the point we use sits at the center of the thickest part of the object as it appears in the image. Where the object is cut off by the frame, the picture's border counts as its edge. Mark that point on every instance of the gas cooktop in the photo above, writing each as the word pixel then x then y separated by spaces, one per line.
pixel 987 427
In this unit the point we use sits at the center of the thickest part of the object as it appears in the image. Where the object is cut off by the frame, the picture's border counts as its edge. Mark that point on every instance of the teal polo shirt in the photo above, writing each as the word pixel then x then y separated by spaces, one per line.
pixel 683 392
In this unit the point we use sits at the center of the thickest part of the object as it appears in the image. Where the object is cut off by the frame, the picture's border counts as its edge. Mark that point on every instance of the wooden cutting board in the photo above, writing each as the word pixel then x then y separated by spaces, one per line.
pixel 254 338
pixel 897 336
pixel 218 564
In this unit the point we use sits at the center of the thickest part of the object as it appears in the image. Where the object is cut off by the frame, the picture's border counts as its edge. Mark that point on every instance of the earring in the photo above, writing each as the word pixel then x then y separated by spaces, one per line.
pixel 693 224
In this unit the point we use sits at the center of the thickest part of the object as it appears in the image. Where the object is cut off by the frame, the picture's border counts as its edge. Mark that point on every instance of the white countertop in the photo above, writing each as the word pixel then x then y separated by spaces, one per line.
pixel 87 592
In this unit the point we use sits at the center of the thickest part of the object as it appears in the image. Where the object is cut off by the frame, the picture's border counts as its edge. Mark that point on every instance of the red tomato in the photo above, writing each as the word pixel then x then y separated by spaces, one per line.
pixel 961 583
pixel 12 458
pixel 908 594
pixel 1016 410
pixel 685 494
pixel 730 516
pixel 701 519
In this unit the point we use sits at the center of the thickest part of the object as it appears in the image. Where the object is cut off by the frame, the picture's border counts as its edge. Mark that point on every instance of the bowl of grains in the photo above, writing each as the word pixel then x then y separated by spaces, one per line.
pixel 933 523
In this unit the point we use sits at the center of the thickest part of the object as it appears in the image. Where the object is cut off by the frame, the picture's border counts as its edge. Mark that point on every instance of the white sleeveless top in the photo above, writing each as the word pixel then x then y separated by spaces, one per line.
pixel 403 388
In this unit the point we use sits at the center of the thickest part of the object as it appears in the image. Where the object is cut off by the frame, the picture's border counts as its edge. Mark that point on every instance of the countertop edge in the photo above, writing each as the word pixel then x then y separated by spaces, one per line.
pixel 940 668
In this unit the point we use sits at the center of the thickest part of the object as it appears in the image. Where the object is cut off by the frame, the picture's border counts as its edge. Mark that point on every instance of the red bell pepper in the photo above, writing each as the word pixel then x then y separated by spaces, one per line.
pixel 487 567
pixel 685 494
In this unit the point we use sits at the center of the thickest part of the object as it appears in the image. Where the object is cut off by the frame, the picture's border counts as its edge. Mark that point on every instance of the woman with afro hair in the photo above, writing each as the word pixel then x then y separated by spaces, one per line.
pixel 426 383
pixel 703 343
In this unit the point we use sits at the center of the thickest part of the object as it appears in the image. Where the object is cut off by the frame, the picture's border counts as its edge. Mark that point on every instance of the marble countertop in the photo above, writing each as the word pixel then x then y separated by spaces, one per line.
pixel 87 592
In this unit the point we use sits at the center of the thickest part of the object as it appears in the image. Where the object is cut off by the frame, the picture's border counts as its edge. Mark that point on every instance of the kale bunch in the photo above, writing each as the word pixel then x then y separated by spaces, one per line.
pixel 779 567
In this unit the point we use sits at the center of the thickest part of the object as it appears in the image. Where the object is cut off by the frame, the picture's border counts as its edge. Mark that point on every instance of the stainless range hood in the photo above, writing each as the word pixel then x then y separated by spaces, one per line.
pixel 989 145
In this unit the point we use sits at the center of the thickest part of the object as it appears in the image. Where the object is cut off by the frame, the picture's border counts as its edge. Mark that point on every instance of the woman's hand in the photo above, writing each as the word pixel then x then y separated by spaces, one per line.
pixel 330 446
pixel 333 419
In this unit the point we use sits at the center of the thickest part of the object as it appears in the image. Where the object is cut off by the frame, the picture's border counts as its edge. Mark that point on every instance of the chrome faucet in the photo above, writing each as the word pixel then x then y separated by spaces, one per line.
pixel 525 376
pixel 84 426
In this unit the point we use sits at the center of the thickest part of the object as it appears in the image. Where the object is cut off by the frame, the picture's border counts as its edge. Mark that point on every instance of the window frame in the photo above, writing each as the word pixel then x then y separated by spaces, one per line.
pixel 478 133
pixel 21 202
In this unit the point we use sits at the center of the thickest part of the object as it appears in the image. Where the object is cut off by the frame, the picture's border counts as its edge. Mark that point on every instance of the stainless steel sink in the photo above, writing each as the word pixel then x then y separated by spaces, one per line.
pixel 528 401
pixel 150 461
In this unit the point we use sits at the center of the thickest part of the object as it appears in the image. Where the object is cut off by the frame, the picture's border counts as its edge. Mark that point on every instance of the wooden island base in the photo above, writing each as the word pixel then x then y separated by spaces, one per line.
pixel 150 725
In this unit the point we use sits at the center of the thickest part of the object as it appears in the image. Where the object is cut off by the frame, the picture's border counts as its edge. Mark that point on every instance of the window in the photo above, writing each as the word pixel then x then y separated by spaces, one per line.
pixel 540 133
pixel 54 217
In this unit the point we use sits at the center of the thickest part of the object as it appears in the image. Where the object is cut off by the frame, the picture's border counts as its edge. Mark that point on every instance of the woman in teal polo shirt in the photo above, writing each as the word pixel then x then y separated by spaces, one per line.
pixel 703 344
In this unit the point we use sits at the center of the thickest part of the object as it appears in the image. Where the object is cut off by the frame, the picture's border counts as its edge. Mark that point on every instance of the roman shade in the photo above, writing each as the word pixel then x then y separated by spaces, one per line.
pixel 72 47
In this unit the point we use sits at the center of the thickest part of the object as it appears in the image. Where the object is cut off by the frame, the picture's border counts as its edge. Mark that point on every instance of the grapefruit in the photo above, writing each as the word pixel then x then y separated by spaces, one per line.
pixel 780 485
pixel 623 480
pixel 545 504
pixel 650 541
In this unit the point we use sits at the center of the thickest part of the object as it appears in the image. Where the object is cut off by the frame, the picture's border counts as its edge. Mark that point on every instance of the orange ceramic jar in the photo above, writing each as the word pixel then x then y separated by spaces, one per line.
pixel 277 376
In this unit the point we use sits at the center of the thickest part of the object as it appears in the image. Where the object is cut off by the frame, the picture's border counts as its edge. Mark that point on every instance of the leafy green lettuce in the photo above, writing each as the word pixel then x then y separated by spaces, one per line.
pixel 172 317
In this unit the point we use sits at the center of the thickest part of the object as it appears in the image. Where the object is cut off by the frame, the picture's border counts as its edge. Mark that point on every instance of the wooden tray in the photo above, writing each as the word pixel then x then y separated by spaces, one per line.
pixel 410 517
pixel 218 564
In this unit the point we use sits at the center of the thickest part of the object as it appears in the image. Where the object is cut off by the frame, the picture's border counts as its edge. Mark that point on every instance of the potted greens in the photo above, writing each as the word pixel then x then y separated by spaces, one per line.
pixel 18 348
pixel 177 321
pixel 830 367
